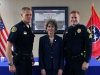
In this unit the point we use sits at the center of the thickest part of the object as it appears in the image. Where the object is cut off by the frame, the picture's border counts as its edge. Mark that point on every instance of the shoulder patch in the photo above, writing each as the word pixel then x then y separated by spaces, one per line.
pixel 14 29
pixel 90 36
pixel 88 30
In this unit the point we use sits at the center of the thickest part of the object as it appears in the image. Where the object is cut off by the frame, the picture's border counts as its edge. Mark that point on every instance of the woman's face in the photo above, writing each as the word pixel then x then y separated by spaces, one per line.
pixel 50 29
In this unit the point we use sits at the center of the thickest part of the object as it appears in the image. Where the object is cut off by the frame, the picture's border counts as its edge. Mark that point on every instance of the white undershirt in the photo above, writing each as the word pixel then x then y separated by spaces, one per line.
pixel 27 26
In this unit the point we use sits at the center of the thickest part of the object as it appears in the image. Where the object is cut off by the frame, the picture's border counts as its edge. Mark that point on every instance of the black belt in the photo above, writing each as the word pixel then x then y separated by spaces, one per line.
pixel 79 57
pixel 21 53
pixel 27 55
pixel 24 56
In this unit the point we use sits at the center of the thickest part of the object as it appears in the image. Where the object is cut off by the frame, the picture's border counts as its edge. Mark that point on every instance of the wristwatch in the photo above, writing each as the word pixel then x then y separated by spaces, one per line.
pixel 10 64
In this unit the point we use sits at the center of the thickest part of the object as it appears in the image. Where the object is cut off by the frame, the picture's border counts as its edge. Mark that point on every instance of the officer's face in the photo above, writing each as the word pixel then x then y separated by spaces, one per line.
pixel 74 18
pixel 27 16
pixel 50 29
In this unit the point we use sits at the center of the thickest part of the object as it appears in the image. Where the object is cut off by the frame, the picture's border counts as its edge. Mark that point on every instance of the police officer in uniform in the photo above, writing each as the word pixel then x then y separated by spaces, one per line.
pixel 51 61
pixel 21 38
pixel 77 46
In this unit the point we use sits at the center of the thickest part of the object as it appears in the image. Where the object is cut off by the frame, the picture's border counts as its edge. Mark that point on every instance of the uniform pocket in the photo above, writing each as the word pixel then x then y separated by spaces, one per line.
pixel 79 38
pixel 79 35
pixel 25 38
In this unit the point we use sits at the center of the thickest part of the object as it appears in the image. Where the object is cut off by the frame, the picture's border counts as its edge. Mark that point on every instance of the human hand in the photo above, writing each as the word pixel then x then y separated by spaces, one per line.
pixel 60 71
pixel 43 72
pixel 85 66
pixel 33 61
pixel 12 68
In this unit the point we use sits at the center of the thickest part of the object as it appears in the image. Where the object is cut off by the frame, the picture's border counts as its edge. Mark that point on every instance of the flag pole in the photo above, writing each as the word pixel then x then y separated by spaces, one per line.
pixel 91 17
pixel 92 14
pixel 0 25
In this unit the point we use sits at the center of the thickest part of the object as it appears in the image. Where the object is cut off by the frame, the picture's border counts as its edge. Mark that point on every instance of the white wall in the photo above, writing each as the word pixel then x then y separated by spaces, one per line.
pixel 10 11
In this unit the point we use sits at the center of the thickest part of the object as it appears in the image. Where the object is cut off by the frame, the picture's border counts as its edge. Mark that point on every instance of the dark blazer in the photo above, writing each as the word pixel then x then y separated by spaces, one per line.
pixel 45 53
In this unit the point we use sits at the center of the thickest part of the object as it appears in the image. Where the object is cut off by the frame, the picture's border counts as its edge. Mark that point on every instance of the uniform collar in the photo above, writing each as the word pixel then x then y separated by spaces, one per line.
pixel 76 25
pixel 24 25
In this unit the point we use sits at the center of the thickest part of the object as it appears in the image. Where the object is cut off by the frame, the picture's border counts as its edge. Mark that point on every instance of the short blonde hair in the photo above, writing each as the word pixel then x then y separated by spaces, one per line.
pixel 25 8
pixel 51 21
pixel 75 11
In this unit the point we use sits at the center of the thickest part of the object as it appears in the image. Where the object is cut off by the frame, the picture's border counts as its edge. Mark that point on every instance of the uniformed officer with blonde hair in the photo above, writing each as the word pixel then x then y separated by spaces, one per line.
pixel 21 38
pixel 77 46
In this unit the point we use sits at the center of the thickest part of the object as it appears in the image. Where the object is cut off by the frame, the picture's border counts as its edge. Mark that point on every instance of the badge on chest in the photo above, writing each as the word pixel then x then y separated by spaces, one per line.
pixel 24 32
pixel 79 30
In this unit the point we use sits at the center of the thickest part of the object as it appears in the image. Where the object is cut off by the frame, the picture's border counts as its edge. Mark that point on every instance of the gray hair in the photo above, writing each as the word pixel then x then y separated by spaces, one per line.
pixel 51 21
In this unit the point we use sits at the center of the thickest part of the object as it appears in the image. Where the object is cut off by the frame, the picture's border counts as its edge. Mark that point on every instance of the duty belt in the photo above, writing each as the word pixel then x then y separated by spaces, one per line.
pixel 23 56
pixel 79 57
pixel 26 55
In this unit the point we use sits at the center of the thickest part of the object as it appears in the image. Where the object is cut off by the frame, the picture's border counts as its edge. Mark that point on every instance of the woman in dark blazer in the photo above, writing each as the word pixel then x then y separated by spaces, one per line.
pixel 51 60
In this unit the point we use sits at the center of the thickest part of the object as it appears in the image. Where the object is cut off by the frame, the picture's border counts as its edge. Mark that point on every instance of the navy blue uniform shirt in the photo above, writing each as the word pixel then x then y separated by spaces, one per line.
pixel 76 39
pixel 22 38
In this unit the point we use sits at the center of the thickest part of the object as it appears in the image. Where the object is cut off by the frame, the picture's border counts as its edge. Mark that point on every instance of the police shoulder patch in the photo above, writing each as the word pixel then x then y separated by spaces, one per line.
pixel 90 36
pixel 88 30
pixel 14 29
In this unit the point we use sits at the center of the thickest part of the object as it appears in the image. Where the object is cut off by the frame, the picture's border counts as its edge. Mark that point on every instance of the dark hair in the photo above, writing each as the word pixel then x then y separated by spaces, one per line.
pixel 51 21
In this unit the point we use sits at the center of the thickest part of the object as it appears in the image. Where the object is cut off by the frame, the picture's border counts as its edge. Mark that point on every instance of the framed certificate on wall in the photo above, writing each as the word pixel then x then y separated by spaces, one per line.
pixel 41 14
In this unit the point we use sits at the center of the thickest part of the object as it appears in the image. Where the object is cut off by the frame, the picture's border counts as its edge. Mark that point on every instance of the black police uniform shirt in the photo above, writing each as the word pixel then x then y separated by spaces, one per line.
pixel 76 39
pixel 22 38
